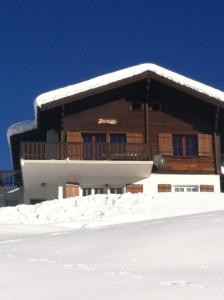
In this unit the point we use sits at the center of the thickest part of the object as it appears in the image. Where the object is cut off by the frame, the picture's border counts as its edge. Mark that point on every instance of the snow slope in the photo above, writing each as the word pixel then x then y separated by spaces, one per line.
pixel 100 210
pixel 174 258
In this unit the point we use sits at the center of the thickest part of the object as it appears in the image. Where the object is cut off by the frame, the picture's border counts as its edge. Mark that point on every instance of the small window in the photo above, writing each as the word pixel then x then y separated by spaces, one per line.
pixel 185 188
pixel 155 105
pixel 98 191
pixel 185 145
pixel 116 190
pixel 86 191
pixel 136 106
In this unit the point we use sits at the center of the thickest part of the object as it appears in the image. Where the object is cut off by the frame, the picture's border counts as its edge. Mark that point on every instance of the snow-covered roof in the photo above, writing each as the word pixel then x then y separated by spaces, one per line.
pixel 20 128
pixel 108 79
pixel 104 80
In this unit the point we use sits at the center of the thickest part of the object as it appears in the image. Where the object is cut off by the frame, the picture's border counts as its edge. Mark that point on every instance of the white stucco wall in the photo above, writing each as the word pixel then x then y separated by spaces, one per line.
pixel 151 183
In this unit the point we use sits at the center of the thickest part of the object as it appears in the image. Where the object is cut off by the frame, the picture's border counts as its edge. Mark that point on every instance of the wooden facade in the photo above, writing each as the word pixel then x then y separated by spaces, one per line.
pixel 148 129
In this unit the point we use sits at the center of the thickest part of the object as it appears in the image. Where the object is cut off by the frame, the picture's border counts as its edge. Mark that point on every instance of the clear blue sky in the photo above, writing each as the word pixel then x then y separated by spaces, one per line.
pixel 47 44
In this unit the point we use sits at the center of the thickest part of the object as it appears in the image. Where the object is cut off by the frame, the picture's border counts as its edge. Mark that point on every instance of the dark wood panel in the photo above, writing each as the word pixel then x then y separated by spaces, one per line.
pixel 189 165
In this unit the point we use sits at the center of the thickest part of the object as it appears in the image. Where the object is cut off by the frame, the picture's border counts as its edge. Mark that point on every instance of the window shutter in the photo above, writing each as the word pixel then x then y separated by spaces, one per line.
pixel 134 188
pixel 71 190
pixel 74 137
pixel 206 188
pixel 165 144
pixel 162 188
pixel 135 138
pixel 205 145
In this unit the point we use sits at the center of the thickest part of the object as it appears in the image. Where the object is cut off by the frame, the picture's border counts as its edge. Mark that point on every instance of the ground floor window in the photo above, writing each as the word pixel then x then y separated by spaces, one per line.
pixel 86 191
pixel 185 188
pixel 116 190
pixel 99 191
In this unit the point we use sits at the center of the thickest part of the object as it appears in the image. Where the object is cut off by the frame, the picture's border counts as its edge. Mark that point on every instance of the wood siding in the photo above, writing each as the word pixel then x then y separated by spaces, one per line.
pixel 177 113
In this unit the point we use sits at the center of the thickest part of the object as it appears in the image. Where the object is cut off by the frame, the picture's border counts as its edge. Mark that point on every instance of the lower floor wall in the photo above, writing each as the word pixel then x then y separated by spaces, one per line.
pixel 152 184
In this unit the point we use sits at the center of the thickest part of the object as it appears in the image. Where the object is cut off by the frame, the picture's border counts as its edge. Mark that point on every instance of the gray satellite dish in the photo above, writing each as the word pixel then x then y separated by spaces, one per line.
pixel 158 162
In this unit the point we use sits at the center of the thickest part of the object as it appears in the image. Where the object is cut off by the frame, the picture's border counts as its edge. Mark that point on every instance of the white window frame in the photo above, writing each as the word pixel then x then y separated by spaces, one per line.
pixel 185 188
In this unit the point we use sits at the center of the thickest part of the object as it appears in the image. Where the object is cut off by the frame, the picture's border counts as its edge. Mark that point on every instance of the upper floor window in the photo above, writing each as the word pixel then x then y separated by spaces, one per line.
pixel 155 106
pixel 185 145
pixel 117 138
pixel 135 106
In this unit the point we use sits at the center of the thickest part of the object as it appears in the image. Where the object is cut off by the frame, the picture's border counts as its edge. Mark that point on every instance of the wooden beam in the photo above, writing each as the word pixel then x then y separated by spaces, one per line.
pixel 146 111
pixel 217 142
pixel 217 148
pixel 62 123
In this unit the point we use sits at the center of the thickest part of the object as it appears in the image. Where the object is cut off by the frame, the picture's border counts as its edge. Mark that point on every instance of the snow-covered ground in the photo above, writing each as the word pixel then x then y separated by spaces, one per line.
pixel 174 258
pixel 100 210
pixel 167 258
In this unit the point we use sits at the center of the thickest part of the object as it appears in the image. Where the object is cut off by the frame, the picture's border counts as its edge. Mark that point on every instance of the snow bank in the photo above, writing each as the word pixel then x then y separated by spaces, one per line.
pixel 100 210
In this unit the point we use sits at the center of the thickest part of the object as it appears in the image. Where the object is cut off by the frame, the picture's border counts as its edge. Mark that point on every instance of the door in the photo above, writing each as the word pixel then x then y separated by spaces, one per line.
pixel 94 146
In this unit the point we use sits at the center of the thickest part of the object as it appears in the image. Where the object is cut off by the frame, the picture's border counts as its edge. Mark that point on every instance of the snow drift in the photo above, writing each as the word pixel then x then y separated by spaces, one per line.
pixel 100 210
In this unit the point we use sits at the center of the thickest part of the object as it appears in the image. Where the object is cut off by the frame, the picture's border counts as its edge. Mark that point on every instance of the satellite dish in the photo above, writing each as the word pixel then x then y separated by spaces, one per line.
pixel 158 162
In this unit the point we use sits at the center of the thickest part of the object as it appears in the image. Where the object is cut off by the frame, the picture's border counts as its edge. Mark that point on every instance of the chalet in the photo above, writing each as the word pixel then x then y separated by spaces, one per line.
pixel 140 129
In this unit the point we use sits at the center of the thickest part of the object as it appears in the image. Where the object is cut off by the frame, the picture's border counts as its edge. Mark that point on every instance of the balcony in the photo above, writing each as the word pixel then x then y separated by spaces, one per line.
pixel 85 151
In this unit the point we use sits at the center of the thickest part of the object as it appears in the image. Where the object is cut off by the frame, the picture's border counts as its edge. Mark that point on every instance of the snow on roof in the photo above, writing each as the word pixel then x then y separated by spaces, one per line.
pixel 108 79
pixel 20 128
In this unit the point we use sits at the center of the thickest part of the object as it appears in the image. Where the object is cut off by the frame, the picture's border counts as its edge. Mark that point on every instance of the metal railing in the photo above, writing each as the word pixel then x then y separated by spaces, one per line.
pixel 10 180
pixel 85 151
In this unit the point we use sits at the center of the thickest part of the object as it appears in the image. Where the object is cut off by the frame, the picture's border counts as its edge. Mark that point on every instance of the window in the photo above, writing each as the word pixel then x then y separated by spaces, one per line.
pixel 86 191
pixel 117 138
pixel 98 191
pixel 155 105
pixel 185 188
pixel 185 145
pixel 136 106
pixel 116 190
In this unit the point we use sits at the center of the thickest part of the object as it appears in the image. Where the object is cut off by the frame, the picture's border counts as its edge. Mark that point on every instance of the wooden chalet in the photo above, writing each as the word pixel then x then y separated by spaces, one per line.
pixel 102 136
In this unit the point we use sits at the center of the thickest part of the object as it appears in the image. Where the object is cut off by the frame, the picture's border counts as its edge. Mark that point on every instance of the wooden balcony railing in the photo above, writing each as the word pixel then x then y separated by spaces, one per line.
pixel 81 151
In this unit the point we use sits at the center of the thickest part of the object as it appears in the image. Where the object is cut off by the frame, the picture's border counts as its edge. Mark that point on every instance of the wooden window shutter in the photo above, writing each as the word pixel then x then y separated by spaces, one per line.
pixel 165 144
pixel 135 138
pixel 162 188
pixel 206 188
pixel 134 188
pixel 204 144
pixel 71 190
pixel 74 137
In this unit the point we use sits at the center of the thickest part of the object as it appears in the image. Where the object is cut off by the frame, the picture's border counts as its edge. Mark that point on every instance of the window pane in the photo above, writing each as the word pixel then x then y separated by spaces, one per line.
pixel 177 145
pixel 86 191
pixel 191 146
pixel 117 190
pixel 136 106
pixel 117 138
pixel 98 191
pixel 101 138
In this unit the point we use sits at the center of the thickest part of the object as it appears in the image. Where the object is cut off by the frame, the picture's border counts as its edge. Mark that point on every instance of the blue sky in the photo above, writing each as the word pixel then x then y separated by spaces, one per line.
pixel 47 44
